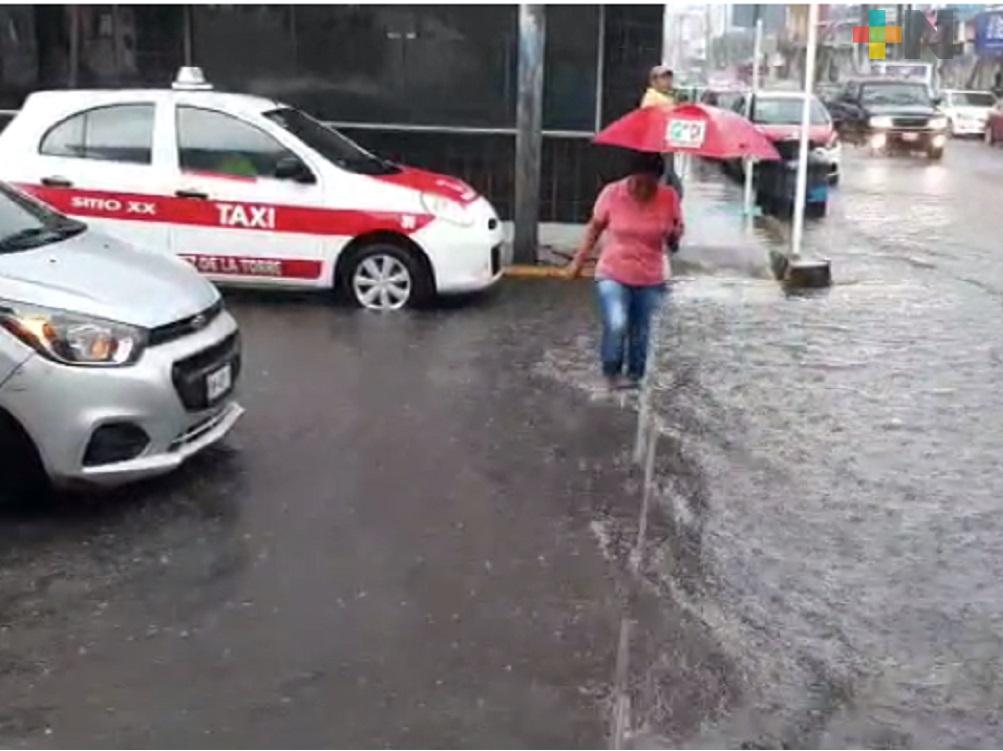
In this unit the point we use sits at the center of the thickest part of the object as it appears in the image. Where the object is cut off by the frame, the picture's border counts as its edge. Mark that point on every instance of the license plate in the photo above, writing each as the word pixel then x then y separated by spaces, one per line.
pixel 218 383
pixel 910 136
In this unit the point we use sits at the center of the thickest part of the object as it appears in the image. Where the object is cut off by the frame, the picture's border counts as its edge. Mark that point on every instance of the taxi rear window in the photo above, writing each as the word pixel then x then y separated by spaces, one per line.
pixel 118 133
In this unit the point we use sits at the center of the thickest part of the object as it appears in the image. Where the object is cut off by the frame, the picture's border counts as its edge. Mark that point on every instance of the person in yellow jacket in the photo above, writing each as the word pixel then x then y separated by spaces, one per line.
pixel 660 94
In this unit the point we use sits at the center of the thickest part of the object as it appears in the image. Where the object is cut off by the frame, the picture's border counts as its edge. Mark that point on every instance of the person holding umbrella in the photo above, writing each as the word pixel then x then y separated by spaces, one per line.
pixel 637 215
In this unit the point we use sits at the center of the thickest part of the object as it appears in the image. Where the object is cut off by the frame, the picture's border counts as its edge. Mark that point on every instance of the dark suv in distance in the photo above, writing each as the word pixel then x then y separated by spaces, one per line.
pixel 887 114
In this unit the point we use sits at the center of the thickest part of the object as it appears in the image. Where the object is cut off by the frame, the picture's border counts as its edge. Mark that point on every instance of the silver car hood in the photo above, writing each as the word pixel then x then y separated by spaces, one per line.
pixel 100 276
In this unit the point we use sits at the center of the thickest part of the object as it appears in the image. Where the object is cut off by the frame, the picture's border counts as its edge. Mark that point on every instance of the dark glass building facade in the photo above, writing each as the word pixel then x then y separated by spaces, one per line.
pixel 433 86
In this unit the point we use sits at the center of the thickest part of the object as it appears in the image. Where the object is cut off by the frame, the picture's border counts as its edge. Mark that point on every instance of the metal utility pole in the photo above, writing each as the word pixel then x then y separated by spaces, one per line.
pixel 529 131
pixel 756 54
pixel 907 35
pixel 900 20
pixel 862 49
pixel 802 183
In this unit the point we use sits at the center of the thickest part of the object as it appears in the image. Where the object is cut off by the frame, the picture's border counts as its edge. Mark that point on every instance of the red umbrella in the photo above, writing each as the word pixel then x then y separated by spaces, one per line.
pixel 689 129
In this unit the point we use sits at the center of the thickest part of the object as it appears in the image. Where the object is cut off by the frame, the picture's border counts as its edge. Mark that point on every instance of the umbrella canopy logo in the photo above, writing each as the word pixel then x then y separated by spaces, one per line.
pixel 685 134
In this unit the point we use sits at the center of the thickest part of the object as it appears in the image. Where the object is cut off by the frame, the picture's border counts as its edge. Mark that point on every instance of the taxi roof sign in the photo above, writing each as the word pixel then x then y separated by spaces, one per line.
pixel 191 78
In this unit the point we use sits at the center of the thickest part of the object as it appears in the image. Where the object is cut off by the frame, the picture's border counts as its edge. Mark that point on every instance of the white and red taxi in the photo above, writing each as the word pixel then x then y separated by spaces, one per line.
pixel 252 192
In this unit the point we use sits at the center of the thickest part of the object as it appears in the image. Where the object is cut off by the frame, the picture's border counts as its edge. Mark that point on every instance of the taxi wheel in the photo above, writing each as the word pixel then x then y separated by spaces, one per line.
pixel 385 277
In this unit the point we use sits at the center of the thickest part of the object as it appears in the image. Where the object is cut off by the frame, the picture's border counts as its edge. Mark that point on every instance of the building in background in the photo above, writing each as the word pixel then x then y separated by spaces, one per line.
pixel 434 86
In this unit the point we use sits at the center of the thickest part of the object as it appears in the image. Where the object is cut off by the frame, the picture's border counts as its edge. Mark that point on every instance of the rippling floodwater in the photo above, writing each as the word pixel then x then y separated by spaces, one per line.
pixel 840 529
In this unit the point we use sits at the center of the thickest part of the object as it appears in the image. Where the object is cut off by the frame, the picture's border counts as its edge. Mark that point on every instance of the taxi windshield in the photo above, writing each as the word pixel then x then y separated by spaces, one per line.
pixel 330 144
pixel 25 224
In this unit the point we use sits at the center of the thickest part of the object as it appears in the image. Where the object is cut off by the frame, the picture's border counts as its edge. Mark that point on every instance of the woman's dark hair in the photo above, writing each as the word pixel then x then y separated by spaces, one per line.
pixel 643 163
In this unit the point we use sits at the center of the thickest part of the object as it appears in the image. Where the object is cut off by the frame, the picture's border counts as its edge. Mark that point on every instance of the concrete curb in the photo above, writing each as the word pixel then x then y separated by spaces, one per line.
pixel 529 271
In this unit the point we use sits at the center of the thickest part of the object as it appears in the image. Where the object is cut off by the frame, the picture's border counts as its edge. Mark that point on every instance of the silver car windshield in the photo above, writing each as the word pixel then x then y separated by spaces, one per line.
pixel 26 224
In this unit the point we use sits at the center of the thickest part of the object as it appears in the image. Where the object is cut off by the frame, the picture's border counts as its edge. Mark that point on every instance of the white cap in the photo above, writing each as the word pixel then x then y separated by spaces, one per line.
pixel 190 78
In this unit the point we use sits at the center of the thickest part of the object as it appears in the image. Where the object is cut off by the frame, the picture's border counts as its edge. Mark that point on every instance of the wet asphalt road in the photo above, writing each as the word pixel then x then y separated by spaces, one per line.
pixel 393 549
pixel 418 534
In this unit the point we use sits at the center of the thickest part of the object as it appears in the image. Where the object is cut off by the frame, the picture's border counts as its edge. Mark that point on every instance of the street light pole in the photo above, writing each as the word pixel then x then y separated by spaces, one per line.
pixel 802 181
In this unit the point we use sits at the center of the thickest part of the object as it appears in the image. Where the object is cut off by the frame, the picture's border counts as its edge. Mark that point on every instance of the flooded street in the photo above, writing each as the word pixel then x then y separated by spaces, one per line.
pixel 419 535
pixel 838 521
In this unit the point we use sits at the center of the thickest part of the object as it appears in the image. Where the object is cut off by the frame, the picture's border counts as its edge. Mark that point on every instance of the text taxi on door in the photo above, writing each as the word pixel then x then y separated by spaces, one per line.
pixel 252 192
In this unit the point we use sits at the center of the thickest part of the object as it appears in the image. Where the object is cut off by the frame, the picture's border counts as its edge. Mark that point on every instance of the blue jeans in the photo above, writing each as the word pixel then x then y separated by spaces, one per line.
pixel 626 323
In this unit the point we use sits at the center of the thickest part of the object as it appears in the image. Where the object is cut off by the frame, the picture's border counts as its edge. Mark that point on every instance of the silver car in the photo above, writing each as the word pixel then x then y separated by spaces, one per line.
pixel 115 364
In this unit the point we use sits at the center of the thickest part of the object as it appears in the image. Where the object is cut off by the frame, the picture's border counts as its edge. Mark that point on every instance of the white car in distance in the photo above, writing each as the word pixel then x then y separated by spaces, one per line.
pixel 967 111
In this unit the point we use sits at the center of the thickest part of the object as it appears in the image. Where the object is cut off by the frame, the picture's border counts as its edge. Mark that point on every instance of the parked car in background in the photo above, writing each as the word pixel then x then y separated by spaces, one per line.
pixel 252 192
pixel 994 124
pixel 891 115
pixel 967 111
pixel 725 97
pixel 115 363
pixel 778 115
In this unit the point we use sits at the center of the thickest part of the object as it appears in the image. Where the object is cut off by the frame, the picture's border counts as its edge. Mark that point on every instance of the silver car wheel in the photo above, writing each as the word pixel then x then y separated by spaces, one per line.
pixel 382 282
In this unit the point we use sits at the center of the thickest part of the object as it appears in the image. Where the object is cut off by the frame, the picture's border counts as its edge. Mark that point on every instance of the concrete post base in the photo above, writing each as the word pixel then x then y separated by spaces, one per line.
pixel 802 273
pixel 808 274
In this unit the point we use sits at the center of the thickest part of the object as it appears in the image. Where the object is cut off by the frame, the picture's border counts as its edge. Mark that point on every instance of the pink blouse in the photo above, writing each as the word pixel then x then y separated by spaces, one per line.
pixel 633 250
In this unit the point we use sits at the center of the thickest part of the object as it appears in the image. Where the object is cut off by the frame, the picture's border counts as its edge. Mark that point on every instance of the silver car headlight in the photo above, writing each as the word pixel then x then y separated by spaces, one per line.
pixel 880 121
pixel 72 338
pixel 938 123
pixel 443 208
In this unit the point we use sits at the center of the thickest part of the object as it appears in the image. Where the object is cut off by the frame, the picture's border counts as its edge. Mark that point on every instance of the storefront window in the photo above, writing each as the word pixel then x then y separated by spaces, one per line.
pixel 570 71
pixel 424 65
pixel 34 50
pixel 453 66
pixel 129 45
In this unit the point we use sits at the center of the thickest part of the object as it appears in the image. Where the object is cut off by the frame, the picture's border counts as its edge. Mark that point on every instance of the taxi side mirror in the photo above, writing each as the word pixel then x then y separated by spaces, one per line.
pixel 291 168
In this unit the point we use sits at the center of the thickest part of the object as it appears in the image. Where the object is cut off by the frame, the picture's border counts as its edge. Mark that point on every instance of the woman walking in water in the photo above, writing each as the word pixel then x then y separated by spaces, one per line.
pixel 636 217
